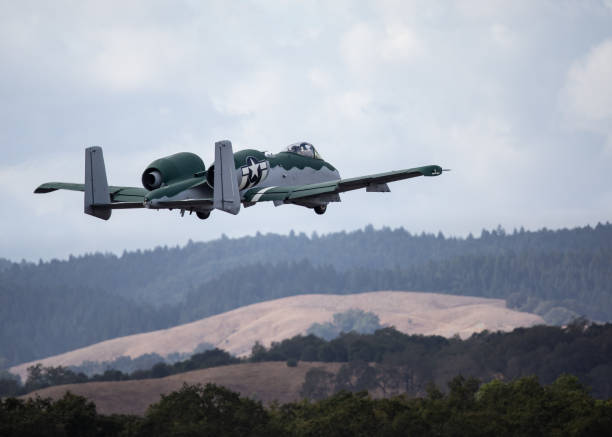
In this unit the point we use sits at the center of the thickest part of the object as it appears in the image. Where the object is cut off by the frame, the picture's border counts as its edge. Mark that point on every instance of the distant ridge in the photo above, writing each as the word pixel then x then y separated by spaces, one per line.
pixel 237 331
pixel 58 306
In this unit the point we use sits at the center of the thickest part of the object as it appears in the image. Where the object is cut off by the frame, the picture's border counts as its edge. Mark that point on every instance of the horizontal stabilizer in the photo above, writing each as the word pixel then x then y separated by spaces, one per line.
pixel 49 187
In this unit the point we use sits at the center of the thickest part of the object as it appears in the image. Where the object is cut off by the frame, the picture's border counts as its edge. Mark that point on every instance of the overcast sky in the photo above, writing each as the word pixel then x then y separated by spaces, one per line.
pixel 514 96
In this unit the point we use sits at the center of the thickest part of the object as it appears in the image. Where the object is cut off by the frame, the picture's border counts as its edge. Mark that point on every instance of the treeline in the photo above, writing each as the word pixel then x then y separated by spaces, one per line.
pixel 52 307
pixel 351 320
pixel 388 361
pixel 165 275
pixel 414 360
pixel 153 365
pixel 40 377
pixel 521 407
pixel 128 364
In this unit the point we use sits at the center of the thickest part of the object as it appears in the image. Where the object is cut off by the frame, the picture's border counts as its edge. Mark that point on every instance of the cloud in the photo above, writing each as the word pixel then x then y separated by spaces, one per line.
pixel 588 91
pixel 352 105
pixel 493 9
pixel 503 36
pixel 259 92
pixel 589 84
pixel 131 60
pixel 375 85
pixel 320 78
pixel 400 43
pixel 365 46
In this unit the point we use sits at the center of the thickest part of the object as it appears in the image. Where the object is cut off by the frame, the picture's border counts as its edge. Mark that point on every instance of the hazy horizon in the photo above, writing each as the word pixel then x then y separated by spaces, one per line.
pixel 475 234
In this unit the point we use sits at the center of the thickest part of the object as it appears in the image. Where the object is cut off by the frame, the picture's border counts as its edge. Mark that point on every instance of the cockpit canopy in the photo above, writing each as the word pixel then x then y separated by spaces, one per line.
pixel 304 149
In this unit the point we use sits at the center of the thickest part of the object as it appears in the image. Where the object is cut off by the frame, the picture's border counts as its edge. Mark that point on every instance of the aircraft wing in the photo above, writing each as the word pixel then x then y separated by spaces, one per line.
pixel 375 182
pixel 121 197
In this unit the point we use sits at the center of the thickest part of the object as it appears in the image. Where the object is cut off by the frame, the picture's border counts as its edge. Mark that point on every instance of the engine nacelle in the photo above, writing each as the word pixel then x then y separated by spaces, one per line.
pixel 173 168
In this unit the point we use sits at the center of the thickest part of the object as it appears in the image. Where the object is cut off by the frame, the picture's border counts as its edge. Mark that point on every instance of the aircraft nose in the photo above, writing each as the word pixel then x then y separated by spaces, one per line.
pixel 434 170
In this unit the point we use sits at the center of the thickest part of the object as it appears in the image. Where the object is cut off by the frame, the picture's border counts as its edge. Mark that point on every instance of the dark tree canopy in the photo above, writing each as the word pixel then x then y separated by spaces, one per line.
pixel 468 408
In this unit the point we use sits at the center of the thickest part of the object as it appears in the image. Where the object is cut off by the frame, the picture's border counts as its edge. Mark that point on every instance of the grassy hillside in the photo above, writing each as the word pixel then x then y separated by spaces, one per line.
pixel 266 382
pixel 67 304
pixel 273 321
pixel 385 363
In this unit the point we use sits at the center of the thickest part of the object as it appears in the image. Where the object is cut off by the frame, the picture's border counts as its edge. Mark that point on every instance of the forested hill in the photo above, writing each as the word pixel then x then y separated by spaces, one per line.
pixel 166 275
pixel 51 307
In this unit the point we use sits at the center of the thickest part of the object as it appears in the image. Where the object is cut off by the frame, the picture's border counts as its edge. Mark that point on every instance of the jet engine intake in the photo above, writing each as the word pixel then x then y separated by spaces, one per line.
pixel 152 179
pixel 210 175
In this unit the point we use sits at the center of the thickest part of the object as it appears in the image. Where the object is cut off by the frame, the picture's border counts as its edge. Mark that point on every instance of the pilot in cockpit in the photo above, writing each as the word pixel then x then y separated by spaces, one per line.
pixel 304 149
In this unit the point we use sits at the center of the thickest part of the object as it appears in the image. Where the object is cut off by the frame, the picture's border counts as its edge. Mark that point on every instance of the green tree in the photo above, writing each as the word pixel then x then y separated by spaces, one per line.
pixel 318 384
pixel 75 415
pixel 209 410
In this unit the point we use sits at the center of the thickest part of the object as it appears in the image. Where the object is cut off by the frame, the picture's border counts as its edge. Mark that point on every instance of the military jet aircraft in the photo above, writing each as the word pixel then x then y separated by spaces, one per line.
pixel 297 175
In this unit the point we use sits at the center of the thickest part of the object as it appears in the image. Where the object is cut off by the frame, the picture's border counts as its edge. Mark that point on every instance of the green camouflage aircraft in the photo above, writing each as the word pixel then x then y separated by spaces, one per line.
pixel 298 175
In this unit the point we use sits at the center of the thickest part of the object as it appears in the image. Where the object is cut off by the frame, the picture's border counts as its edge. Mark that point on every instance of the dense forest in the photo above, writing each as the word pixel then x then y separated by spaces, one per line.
pixel 51 307
pixel 407 363
pixel 518 408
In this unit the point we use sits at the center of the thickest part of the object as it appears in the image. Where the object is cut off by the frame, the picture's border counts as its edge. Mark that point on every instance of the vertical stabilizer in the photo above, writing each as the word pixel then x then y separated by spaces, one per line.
pixel 97 197
pixel 226 194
